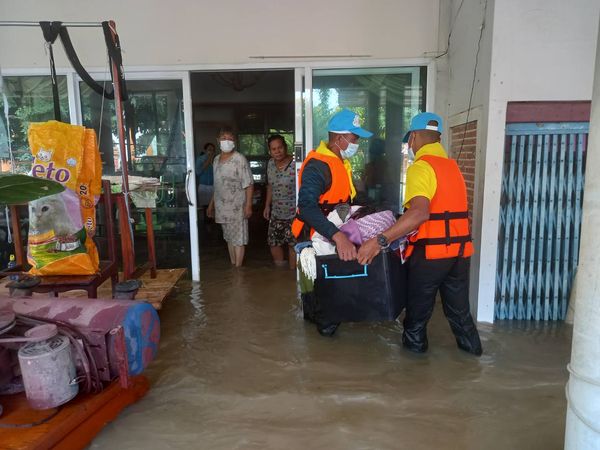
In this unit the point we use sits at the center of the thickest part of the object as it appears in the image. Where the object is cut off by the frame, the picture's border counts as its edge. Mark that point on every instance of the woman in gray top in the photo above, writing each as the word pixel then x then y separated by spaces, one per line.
pixel 231 205
pixel 280 204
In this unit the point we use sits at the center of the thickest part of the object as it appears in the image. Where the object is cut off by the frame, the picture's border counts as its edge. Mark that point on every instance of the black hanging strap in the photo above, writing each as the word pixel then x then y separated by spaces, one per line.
pixel 50 31
pixel 74 59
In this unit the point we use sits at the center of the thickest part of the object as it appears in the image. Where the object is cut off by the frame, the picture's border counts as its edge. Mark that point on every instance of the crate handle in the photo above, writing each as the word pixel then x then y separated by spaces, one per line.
pixel 354 275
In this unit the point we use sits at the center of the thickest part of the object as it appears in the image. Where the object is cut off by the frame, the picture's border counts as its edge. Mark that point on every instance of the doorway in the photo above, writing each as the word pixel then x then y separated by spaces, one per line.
pixel 255 104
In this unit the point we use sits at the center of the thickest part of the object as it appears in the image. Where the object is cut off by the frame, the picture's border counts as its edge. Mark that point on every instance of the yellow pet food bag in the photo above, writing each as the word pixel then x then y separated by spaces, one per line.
pixel 61 226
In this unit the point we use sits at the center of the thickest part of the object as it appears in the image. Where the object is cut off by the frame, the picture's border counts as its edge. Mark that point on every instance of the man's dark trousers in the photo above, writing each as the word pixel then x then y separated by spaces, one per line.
pixel 451 277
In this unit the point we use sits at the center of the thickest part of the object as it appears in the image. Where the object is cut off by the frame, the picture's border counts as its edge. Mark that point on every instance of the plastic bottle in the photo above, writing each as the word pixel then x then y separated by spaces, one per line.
pixel 12 263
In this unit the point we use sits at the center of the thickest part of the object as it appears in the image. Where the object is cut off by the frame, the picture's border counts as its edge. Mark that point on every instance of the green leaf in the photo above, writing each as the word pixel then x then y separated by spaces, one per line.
pixel 18 189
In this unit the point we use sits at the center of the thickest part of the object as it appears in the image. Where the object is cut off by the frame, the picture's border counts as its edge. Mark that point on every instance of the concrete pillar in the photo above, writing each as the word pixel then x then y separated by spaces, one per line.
pixel 583 388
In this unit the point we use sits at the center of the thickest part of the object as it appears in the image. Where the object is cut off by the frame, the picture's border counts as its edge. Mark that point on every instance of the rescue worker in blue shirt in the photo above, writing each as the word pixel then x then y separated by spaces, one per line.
pixel 325 180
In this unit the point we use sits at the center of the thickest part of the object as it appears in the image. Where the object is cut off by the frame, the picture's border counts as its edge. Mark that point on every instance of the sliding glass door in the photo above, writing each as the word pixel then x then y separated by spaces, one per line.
pixel 156 145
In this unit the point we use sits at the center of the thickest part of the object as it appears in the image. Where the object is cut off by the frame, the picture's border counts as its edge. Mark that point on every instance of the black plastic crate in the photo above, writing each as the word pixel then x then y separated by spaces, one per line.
pixel 346 291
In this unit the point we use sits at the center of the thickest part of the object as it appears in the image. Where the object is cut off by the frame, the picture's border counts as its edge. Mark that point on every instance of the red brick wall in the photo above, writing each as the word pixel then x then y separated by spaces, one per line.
pixel 466 159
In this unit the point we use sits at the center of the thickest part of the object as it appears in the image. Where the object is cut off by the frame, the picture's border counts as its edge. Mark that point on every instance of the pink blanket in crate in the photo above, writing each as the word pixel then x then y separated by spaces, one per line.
pixel 367 227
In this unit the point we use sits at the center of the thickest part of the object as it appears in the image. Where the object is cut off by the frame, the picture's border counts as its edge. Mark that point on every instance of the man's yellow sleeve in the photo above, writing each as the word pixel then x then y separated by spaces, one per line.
pixel 420 181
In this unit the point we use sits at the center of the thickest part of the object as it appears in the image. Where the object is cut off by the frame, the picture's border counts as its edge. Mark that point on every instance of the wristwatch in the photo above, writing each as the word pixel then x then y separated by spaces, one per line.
pixel 382 241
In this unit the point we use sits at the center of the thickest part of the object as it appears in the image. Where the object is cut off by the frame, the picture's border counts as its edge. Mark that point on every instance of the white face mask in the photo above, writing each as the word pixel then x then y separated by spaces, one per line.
pixel 226 146
pixel 350 150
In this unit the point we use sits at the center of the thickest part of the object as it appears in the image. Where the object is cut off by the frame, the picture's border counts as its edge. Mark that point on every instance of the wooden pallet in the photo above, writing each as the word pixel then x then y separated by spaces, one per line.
pixel 75 424
pixel 154 290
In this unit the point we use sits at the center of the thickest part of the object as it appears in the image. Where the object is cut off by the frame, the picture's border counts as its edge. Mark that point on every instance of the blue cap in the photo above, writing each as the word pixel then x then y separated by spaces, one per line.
pixel 347 121
pixel 420 121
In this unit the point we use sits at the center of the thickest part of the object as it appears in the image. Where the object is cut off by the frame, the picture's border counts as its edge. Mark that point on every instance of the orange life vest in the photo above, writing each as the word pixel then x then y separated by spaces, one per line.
pixel 339 191
pixel 447 233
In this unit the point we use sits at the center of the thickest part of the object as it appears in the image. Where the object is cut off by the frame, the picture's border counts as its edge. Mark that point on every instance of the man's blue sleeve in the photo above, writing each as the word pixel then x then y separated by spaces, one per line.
pixel 316 179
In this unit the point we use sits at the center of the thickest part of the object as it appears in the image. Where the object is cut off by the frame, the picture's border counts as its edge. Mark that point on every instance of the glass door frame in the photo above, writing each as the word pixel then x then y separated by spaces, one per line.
pixel 414 72
pixel 307 73
pixel 300 100
pixel 303 73
pixel 184 77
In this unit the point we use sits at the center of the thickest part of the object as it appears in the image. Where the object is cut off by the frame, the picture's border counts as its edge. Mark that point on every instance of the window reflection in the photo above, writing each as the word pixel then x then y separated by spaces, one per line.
pixel 29 100
pixel 385 100
pixel 154 137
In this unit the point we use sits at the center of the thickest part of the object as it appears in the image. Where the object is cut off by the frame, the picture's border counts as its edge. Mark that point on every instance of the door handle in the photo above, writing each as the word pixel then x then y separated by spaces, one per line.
pixel 298 151
pixel 187 182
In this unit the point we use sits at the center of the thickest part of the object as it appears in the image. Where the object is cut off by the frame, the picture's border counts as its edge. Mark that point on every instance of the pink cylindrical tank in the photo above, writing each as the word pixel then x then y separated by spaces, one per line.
pixel 96 318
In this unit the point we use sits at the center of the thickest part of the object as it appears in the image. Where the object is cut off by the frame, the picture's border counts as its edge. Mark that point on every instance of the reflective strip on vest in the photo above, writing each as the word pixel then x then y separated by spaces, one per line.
pixel 447 233
pixel 338 192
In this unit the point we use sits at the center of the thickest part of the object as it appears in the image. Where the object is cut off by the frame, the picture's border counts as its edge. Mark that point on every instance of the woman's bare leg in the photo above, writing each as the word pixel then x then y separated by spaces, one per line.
pixel 240 250
pixel 231 249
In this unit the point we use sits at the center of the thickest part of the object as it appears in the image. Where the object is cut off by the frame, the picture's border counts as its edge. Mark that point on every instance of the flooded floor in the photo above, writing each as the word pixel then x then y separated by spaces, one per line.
pixel 238 368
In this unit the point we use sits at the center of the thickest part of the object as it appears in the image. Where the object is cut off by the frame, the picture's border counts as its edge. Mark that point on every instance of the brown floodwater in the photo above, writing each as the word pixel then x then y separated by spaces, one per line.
pixel 238 368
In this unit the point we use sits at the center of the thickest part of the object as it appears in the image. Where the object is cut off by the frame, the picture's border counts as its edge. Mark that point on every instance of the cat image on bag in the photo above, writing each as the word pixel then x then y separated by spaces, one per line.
pixel 44 155
pixel 50 213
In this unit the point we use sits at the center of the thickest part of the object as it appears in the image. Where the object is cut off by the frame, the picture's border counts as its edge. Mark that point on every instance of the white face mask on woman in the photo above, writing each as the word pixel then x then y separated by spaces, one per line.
pixel 226 146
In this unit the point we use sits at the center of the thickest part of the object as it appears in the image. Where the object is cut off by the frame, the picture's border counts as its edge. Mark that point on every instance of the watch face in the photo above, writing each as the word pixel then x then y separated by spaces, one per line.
pixel 381 240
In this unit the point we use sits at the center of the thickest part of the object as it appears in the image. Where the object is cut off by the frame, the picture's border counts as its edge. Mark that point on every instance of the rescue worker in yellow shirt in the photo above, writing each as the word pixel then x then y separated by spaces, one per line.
pixel 325 180
pixel 439 254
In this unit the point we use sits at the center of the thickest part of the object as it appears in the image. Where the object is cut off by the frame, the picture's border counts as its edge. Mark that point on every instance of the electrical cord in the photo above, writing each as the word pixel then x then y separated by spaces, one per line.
pixel 91 377
pixel 451 29
pixel 81 346
pixel 462 142
pixel 31 424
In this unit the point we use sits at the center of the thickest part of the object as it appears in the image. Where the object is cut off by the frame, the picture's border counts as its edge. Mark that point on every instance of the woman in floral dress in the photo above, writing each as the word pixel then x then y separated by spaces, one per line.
pixel 231 205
